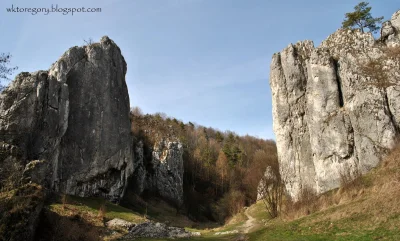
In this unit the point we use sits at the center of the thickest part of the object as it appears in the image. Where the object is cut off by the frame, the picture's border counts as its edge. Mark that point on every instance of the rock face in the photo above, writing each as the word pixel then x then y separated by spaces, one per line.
pixel 76 117
pixel 163 174
pixel 329 120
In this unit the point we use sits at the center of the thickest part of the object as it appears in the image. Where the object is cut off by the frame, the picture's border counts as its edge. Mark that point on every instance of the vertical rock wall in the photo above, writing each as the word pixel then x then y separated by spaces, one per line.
pixel 328 120
pixel 75 117
pixel 163 174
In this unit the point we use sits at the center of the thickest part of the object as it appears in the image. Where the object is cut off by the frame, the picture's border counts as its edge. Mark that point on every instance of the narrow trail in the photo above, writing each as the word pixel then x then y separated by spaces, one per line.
pixel 250 223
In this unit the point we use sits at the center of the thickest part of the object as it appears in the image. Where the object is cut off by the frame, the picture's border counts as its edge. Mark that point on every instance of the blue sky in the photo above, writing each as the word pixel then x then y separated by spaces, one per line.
pixel 205 61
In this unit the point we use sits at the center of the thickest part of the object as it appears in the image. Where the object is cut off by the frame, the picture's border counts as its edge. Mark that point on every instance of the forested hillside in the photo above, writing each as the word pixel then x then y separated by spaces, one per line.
pixel 221 169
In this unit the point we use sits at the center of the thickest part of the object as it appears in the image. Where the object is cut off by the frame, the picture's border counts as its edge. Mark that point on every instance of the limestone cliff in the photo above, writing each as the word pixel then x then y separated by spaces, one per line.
pixel 167 162
pixel 75 119
pixel 162 174
pixel 329 120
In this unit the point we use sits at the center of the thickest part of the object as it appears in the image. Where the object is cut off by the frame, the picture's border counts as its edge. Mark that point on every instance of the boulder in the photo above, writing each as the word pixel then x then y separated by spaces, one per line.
pixel 157 230
pixel 120 223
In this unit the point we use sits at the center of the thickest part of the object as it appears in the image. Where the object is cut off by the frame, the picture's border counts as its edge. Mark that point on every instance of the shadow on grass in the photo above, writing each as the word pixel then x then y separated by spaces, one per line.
pixel 52 226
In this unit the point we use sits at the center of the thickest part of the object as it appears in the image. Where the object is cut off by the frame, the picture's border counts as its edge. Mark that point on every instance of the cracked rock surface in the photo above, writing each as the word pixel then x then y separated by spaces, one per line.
pixel 75 116
pixel 157 230
pixel 164 174
pixel 327 119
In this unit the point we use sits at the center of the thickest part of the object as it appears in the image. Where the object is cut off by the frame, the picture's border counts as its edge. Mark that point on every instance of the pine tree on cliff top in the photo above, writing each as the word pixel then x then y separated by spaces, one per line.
pixel 361 18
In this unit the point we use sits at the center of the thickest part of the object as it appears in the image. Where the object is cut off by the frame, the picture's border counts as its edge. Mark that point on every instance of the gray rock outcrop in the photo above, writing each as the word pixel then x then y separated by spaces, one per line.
pixel 157 230
pixel 76 117
pixel 164 173
pixel 226 232
pixel 329 118
pixel 118 223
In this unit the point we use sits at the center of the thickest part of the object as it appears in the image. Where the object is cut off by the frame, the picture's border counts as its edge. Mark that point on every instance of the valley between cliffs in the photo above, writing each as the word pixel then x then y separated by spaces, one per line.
pixel 77 162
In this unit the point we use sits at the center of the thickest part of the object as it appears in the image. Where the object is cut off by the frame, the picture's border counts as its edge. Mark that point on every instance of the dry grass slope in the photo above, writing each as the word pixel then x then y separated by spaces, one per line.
pixel 367 208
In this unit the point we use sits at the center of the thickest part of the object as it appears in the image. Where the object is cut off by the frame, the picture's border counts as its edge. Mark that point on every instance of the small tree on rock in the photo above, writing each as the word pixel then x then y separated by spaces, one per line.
pixel 361 18
pixel 5 71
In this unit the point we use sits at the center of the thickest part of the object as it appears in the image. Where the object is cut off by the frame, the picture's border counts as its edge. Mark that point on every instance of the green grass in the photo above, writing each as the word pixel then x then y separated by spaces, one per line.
pixel 92 206
pixel 356 226
pixel 233 224
pixel 328 224
pixel 293 231
pixel 258 211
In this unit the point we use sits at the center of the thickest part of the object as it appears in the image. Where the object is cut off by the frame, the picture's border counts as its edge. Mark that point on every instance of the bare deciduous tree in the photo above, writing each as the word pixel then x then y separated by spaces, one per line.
pixel 10 174
pixel 136 111
pixel 272 189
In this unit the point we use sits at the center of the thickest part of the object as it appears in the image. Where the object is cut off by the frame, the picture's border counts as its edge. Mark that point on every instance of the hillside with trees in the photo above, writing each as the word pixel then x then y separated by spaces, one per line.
pixel 222 169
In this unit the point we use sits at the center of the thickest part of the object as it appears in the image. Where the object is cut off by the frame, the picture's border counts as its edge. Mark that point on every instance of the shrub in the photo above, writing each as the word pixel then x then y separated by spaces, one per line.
pixel 102 212
pixel 19 212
